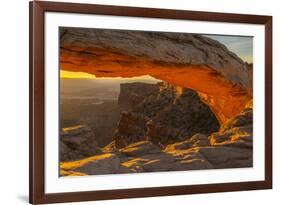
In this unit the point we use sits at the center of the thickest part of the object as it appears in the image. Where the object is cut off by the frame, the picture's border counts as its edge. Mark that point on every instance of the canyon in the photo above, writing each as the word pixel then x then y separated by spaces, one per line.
pixel 169 129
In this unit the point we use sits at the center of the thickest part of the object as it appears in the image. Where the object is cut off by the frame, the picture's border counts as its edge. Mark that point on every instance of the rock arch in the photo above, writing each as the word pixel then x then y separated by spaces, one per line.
pixel 221 78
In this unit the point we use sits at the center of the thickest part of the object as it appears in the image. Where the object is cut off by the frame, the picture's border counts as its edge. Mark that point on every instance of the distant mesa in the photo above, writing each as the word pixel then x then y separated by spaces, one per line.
pixel 131 94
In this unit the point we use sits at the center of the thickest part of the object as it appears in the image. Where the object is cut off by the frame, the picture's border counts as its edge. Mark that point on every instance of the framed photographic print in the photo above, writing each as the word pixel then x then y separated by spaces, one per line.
pixel 139 102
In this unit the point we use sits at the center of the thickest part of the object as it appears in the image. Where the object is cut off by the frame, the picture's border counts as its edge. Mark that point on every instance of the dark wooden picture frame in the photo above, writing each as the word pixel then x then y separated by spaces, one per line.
pixel 37 193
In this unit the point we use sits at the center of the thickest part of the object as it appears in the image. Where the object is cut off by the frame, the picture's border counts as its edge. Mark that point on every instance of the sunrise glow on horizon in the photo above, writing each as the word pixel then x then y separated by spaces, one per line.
pixel 83 75
pixel 70 74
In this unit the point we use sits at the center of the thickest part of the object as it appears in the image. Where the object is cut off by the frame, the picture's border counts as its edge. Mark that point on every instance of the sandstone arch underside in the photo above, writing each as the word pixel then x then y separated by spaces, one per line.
pixel 222 79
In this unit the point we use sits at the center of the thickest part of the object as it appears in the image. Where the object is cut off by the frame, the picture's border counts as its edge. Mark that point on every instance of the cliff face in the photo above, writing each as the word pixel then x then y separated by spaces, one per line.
pixel 170 115
pixel 186 60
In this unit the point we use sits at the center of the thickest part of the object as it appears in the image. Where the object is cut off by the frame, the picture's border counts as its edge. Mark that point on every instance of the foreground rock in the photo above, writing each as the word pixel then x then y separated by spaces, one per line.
pixel 149 158
pixel 76 143
pixel 230 147
pixel 99 164
pixel 234 140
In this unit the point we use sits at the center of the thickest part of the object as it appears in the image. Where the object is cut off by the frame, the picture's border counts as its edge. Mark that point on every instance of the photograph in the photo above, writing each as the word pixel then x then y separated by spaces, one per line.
pixel 140 102
pixel 133 101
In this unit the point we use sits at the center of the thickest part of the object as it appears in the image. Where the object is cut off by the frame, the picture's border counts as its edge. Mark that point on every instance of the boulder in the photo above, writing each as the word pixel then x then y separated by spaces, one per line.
pixel 77 142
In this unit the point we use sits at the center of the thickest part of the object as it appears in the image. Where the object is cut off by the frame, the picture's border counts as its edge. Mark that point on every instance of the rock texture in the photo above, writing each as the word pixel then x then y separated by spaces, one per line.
pixel 76 143
pixel 184 60
pixel 125 47
pixel 99 164
pixel 170 115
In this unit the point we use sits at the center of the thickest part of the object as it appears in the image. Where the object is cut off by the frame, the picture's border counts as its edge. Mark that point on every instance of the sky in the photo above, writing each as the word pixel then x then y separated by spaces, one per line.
pixel 242 46
pixel 69 74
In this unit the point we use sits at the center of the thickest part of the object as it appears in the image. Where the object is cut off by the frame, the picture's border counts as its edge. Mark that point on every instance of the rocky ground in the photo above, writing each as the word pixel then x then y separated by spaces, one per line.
pixel 170 129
